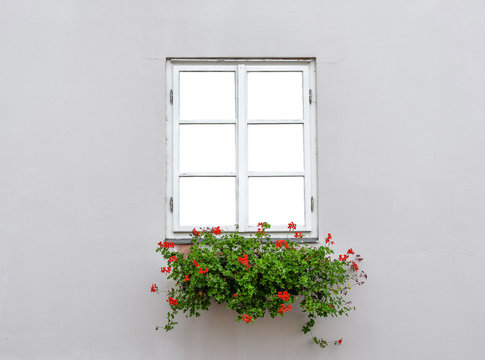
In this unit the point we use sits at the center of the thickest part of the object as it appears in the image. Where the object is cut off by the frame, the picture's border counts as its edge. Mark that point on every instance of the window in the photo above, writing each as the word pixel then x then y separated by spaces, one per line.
pixel 241 145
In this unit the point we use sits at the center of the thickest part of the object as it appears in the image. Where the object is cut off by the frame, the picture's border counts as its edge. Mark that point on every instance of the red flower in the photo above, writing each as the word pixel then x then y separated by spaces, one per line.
pixel 284 308
pixel 166 244
pixel 172 258
pixel 217 230
pixel 329 237
pixel 298 235
pixel 280 243
pixel 235 295
pixel 350 251
pixel 261 223
pixel 206 270
pixel 166 269
pixel 355 266
pixel 187 278
pixel 243 260
pixel 195 232
pixel 154 288
pixel 195 263
pixel 261 231
pixel 246 318
pixel 340 341
pixel 343 257
pixel 172 301
pixel 291 225
pixel 283 295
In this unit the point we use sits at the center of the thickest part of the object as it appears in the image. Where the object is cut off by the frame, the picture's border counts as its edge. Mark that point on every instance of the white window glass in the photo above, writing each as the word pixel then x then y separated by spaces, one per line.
pixel 207 95
pixel 275 95
pixel 275 147
pixel 276 200
pixel 207 201
pixel 207 148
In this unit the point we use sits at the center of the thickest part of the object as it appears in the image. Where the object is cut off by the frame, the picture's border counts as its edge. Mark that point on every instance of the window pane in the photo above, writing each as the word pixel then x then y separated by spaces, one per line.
pixel 207 201
pixel 207 96
pixel 275 95
pixel 207 148
pixel 276 200
pixel 275 147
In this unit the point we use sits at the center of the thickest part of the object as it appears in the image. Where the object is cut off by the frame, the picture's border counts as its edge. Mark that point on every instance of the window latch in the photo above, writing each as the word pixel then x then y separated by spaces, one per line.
pixel 310 96
pixel 171 204
pixel 312 203
pixel 171 96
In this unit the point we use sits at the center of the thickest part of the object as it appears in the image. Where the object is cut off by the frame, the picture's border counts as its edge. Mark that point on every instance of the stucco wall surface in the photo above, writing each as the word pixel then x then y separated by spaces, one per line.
pixel 401 123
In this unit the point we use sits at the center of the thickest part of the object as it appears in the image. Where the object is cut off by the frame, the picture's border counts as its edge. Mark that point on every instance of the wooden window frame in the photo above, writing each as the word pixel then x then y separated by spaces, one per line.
pixel 241 67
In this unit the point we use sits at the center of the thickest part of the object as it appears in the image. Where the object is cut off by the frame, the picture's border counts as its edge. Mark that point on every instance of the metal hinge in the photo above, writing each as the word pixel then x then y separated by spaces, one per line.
pixel 312 203
pixel 171 204
pixel 310 96
pixel 171 96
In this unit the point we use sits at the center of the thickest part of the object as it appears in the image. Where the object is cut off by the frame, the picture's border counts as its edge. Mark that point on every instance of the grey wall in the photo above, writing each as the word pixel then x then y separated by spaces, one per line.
pixel 401 123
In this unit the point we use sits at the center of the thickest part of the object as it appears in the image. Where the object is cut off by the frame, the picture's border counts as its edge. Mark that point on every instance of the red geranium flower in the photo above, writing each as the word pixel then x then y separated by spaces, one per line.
pixel 343 257
pixel 298 235
pixel 284 308
pixel 166 269
pixel 172 258
pixel 350 251
pixel 243 259
pixel 246 318
pixel 283 295
pixel 216 230
pixel 195 232
pixel 291 225
pixel 280 243
pixel 172 301
pixel 355 266
pixel 166 244
pixel 154 288
pixel 187 278
pixel 329 237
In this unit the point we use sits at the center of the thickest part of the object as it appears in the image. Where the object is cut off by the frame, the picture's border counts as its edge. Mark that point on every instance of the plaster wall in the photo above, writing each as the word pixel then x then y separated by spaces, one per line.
pixel 401 123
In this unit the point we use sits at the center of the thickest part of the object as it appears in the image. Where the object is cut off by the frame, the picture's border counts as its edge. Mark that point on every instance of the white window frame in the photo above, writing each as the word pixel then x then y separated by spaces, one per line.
pixel 241 67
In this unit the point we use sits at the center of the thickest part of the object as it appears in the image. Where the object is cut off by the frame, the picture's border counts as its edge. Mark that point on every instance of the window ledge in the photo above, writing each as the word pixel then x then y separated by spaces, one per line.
pixel 187 241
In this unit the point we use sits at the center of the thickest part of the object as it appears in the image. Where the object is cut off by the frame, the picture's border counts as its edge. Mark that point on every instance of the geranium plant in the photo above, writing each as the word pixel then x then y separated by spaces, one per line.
pixel 255 276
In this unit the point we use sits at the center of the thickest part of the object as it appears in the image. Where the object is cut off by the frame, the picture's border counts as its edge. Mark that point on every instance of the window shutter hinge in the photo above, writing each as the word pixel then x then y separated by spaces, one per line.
pixel 171 96
pixel 310 96
pixel 171 204
pixel 312 203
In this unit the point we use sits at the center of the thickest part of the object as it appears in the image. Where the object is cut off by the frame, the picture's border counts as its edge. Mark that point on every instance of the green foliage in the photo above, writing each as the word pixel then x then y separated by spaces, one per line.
pixel 256 277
